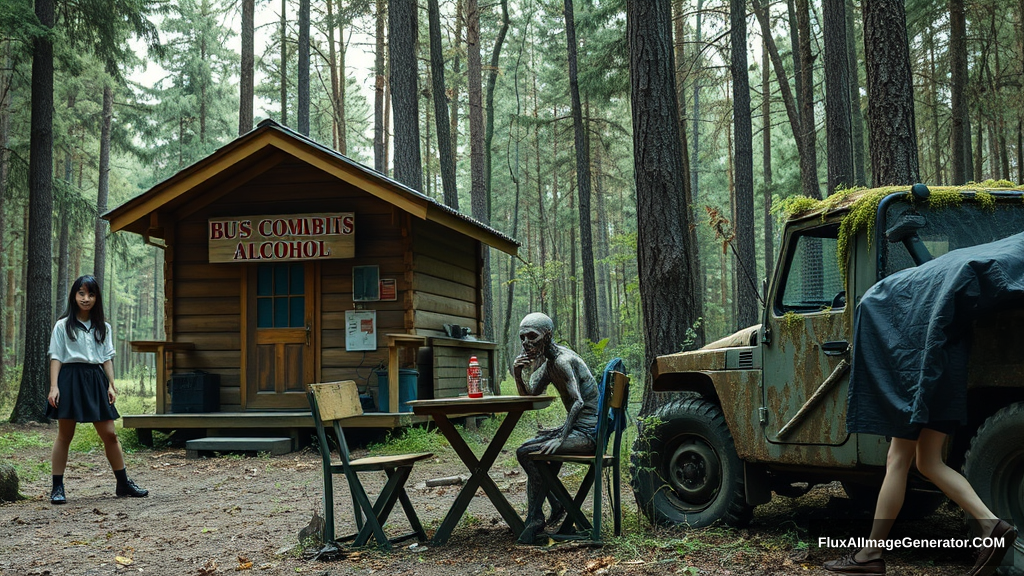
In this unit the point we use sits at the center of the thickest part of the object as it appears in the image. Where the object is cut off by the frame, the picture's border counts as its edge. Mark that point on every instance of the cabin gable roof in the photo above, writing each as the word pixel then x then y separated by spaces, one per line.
pixel 260 150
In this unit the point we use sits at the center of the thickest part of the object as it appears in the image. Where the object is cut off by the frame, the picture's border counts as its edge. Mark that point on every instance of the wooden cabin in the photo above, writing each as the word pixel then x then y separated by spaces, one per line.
pixel 286 263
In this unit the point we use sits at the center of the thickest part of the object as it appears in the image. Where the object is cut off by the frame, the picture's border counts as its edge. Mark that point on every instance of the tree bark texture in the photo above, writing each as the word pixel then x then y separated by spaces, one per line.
pixel 5 133
pixel 746 295
pixel 444 139
pixel 31 403
pixel 856 118
pixel 492 80
pixel 63 237
pixel 245 83
pixel 805 97
pixel 582 180
pixel 379 151
pixel 694 168
pixel 680 79
pixel 892 136
pixel 667 284
pixel 99 265
pixel 839 141
pixel 332 66
pixel 766 160
pixel 302 106
pixel 284 62
pixel 961 152
pixel 404 92
pixel 478 184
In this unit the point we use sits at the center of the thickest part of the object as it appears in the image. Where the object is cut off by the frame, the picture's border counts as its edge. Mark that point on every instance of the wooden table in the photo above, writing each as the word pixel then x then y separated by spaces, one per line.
pixel 441 411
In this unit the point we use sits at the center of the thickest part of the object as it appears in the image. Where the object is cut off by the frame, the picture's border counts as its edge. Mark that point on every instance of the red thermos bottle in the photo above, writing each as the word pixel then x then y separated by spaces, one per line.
pixel 473 378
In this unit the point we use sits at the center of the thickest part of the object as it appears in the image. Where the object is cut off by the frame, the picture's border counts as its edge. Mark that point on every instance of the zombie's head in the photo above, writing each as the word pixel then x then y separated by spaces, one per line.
pixel 535 332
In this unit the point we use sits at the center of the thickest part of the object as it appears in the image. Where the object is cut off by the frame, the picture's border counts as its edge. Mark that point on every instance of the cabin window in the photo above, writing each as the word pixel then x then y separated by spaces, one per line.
pixel 280 295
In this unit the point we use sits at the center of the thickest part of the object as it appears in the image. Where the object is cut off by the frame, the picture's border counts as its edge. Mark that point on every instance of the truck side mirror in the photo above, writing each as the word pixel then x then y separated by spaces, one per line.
pixel 764 291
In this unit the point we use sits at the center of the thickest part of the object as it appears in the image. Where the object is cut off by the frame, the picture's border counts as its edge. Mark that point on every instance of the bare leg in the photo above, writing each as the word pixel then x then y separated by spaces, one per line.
pixel 951 482
pixel 59 456
pixel 890 496
pixel 111 445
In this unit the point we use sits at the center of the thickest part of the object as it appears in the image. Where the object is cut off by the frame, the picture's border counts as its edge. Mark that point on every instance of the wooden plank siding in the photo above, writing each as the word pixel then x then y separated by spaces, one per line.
pixel 445 280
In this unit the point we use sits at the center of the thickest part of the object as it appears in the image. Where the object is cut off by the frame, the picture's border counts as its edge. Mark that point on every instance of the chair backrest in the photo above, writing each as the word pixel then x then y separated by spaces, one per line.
pixel 614 398
pixel 337 400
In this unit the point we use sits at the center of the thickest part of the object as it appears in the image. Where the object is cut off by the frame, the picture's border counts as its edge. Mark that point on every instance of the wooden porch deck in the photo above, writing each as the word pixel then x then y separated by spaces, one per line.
pixel 230 423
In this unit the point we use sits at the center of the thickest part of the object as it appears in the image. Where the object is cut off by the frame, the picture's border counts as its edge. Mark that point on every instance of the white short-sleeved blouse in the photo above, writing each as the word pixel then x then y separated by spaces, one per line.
pixel 84 348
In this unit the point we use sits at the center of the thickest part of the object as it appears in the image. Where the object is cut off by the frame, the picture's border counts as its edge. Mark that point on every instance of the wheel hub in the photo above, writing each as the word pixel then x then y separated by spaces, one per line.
pixel 695 471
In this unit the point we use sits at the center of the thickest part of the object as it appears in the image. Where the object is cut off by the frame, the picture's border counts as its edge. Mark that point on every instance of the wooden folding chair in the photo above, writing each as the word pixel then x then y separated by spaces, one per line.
pixel 614 396
pixel 330 404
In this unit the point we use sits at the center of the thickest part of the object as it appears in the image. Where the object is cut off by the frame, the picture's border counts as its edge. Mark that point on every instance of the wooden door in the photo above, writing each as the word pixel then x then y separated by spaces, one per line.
pixel 280 359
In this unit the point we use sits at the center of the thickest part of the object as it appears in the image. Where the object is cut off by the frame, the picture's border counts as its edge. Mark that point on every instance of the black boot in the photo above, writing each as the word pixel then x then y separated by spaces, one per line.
pixel 57 494
pixel 127 487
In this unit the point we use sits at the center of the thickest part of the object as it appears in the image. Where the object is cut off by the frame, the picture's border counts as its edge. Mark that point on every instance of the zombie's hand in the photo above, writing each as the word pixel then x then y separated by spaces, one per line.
pixel 521 361
pixel 551 446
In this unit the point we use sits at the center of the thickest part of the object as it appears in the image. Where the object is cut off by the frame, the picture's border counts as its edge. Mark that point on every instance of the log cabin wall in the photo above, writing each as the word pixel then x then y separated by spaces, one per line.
pixel 207 301
pixel 445 280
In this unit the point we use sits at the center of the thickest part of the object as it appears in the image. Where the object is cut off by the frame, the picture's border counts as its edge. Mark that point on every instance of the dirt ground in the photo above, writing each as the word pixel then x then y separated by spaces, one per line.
pixel 236 513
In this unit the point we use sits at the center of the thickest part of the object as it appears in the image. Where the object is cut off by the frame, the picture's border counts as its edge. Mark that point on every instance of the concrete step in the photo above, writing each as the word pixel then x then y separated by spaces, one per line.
pixel 203 446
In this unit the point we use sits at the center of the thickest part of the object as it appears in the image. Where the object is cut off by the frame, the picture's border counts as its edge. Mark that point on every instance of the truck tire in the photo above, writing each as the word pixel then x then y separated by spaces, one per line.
pixel 685 471
pixel 994 465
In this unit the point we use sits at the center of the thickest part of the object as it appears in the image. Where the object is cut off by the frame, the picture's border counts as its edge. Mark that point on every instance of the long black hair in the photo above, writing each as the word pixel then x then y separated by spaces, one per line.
pixel 99 325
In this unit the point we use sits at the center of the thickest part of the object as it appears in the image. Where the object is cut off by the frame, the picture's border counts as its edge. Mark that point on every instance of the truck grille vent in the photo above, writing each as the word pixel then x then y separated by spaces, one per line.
pixel 746 359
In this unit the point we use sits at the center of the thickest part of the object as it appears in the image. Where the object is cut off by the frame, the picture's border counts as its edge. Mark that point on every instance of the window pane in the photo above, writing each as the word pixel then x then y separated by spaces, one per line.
pixel 813 280
pixel 280 312
pixel 298 312
pixel 298 273
pixel 264 280
pixel 264 315
pixel 280 279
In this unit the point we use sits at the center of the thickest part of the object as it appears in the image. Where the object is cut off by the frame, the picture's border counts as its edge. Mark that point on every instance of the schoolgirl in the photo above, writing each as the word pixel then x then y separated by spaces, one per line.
pixel 82 384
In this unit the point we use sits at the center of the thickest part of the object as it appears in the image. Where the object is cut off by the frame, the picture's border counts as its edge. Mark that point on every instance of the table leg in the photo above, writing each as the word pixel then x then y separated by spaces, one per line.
pixel 479 477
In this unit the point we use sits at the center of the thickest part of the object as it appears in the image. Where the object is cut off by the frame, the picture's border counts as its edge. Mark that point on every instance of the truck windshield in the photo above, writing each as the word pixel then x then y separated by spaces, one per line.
pixel 949 228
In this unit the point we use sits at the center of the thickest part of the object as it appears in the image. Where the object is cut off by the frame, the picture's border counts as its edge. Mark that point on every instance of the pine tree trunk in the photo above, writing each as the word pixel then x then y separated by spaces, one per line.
pixel 805 97
pixel 284 62
pixel 766 159
pixel 892 137
pixel 808 167
pixel 100 254
pixel 5 134
pixel 582 182
pixel 63 240
pixel 332 66
pixel 379 149
pixel 959 123
pixel 31 403
pixel 492 79
pixel 837 97
pixel 694 168
pixel 404 92
pixel 856 118
pixel 746 295
pixel 794 50
pixel 302 82
pixel 456 80
pixel 688 190
pixel 663 219
pixel 440 96
pixel 245 84
pixel 478 184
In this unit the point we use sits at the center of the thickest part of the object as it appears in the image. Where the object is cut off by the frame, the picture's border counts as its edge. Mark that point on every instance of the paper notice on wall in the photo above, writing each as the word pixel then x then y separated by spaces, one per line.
pixel 360 330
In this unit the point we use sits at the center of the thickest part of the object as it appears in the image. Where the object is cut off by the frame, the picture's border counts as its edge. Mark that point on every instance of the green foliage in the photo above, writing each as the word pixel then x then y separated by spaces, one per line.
pixel 15 440
pixel 409 440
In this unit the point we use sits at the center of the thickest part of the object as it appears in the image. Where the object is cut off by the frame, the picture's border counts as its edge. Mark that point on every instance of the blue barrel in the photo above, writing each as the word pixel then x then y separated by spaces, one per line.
pixel 407 379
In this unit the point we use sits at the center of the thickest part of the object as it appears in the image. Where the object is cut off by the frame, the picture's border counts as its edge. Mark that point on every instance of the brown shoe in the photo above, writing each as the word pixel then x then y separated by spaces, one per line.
pixel 990 557
pixel 848 565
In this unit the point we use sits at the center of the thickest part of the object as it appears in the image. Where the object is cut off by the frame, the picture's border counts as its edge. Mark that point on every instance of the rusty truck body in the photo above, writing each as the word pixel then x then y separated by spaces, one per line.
pixel 765 408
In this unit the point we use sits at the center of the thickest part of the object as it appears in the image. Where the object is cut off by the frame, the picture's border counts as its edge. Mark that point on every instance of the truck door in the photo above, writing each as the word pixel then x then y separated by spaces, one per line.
pixel 808 324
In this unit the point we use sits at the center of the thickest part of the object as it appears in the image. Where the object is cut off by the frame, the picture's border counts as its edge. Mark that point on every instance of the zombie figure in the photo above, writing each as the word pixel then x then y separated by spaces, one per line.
pixel 566 371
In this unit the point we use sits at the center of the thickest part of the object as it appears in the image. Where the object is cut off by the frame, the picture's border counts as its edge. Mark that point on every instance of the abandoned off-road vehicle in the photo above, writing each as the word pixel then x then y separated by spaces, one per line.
pixel 765 408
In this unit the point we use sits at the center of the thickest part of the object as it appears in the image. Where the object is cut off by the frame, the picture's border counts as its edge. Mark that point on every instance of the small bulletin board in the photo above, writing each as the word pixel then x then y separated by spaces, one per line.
pixel 360 330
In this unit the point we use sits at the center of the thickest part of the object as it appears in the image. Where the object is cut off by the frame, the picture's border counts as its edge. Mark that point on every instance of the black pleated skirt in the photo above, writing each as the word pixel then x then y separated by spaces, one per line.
pixel 83 395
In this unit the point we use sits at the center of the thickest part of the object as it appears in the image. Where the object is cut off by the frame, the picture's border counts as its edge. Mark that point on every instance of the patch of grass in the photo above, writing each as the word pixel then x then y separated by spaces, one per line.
pixel 31 471
pixel 11 442
pixel 409 440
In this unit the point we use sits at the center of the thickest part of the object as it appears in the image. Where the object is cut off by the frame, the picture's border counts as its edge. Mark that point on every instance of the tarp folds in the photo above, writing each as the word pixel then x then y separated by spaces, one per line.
pixel 912 337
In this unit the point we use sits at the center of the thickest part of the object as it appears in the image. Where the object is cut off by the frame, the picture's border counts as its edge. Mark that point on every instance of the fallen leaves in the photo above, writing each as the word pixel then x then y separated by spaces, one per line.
pixel 209 568
pixel 243 564
pixel 126 558
pixel 598 564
